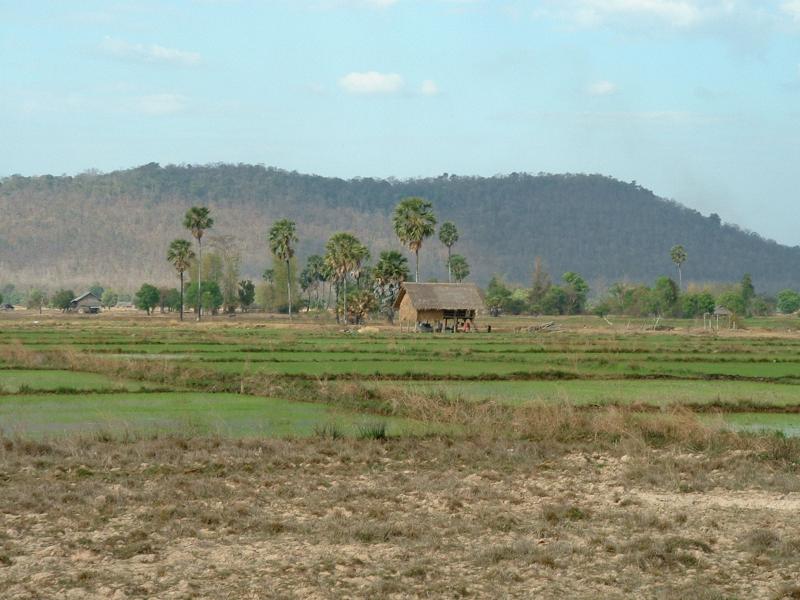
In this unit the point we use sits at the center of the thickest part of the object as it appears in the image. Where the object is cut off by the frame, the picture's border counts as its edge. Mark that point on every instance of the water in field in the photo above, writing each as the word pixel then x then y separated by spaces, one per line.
pixel 786 423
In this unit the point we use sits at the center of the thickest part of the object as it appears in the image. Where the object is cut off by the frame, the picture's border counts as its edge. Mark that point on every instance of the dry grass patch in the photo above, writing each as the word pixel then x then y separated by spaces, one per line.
pixel 358 518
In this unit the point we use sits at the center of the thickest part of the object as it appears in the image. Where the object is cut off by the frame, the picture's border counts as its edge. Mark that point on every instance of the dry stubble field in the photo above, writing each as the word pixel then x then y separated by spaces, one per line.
pixel 526 500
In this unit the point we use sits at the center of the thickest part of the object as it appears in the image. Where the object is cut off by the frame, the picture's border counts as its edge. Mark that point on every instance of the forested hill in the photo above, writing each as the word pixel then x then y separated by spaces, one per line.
pixel 114 228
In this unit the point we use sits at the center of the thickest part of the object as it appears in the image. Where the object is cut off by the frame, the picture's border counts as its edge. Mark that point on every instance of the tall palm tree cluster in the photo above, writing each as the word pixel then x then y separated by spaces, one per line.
pixel 358 288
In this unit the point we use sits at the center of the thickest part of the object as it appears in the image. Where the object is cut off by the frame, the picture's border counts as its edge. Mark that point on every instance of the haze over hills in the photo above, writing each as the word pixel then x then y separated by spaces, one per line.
pixel 114 228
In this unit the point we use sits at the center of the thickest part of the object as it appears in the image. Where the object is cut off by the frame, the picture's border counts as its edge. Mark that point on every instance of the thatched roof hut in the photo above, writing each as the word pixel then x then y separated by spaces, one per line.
pixel 438 302
pixel 85 303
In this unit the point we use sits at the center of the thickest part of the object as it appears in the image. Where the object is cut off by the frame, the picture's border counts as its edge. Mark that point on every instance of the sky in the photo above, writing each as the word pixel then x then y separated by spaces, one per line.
pixel 698 100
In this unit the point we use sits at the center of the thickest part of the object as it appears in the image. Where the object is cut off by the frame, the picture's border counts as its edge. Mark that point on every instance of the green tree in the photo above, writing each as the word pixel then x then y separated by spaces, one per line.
pixel 577 291
pixel 555 301
pixel 109 299
pixel 282 238
pixel 97 290
pixel 458 267
pixel 448 235
pixel 247 294
pixel 276 297
pixel 169 299
pixel 147 298
pixel 36 300
pixel 761 306
pixel 210 298
pixel 180 255
pixel 343 254
pixel 389 273
pixel 540 285
pixel 697 305
pixel 665 297
pixel 414 221
pixel 748 293
pixel 732 300
pixel 61 299
pixel 678 256
pixel 317 272
pixel 788 301
pixel 497 296
pixel 227 265
pixel 306 281
pixel 198 220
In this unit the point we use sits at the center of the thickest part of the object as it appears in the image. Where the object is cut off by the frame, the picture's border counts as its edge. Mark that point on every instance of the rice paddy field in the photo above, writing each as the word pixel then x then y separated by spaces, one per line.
pixel 253 458
pixel 253 377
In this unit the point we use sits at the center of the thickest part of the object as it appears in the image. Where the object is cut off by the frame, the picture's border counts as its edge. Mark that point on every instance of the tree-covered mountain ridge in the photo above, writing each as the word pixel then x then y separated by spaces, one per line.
pixel 114 228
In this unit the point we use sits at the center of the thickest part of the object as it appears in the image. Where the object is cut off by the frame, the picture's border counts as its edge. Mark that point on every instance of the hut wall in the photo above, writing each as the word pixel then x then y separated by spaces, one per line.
pixel 431 316
pixel 407 311
pixel 409 314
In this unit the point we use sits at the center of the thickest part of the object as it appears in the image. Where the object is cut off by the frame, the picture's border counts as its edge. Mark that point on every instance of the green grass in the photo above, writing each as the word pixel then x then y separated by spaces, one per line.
pixel 228 414
pixel 11 380
pixel 581 392
pixel 599 365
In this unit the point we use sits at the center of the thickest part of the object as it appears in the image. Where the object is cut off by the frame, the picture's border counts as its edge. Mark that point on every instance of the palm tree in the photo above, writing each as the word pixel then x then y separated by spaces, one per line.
pixel 678 256
pixel 197 220
pixel 448 235
pixel 413 222
pixel 180 255
pixel 281 239
pixel 316 271
pixel 360 257
pixel 460 267
pixel 389 273
pixel 344 255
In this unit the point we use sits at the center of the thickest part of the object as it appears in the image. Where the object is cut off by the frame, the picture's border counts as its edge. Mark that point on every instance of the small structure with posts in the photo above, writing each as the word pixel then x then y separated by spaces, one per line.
pixel 720 312
pixel 87 303
pixel 438 306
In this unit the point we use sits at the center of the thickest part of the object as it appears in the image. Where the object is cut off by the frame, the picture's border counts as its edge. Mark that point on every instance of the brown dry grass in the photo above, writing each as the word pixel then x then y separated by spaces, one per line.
pixel 181 517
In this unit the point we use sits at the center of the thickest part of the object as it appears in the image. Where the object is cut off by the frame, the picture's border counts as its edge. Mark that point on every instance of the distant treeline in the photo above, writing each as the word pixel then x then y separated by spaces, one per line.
pixel 75 230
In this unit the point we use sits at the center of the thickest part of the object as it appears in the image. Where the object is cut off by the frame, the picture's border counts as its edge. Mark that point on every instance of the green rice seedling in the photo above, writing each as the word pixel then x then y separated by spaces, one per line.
pixel 372 431
pixel 329 431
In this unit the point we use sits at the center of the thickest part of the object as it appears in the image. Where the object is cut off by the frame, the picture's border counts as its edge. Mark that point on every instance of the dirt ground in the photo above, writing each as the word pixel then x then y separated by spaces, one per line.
pixel 333 518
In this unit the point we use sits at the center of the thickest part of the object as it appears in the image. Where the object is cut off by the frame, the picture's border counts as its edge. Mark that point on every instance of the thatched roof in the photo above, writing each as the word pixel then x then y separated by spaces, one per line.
pixel 721 311
pixel 441 296
pixel 86 296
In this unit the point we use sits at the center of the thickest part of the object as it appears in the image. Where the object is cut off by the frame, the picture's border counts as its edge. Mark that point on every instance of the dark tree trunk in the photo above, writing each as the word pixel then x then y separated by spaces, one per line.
pixel 181 295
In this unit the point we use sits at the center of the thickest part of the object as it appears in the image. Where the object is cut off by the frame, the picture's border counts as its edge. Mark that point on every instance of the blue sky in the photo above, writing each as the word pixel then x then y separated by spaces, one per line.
pixel 698 100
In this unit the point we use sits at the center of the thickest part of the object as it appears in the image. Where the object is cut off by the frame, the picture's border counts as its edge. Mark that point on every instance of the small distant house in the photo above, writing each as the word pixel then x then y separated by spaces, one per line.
pixel 88 303
pixel 437 304
pixel 720 312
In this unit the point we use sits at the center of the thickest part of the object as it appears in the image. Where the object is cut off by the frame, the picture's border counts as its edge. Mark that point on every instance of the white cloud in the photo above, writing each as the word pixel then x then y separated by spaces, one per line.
pixel 429 88
pixel 161 104
pixel 153 53
pixel 601 88
pixel 372 82
pixel 675 13
pixel 792 8
pixel 680 13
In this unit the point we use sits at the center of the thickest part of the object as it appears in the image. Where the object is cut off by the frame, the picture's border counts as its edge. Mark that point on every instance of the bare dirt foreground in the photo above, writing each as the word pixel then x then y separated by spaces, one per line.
pixel 330 518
